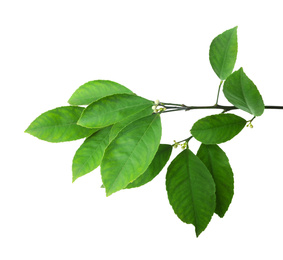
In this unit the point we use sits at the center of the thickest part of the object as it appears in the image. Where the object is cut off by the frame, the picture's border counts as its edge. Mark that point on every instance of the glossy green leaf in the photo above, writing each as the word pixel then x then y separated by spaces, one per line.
pixel 90 154
pixel 112 109
pixel 96 89
pixel 223 53
pixel 243 93
pixel 121 124
pixel 218 164
pixel 59 125
pixel 130 153
pixel 217 129
pixel 191 190
pixel 160 159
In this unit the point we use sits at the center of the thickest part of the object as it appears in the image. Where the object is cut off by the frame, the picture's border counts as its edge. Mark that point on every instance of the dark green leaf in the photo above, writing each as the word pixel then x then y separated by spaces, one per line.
pixel 191 190
pixel 217 129
pixel 59 125
pixel 223 53
pixel 217 163
pixel 157 164
pixel 121 124
pixel 112 109
pixel 243 93
pixel 89 155
pixel 94 90
pixel 130 153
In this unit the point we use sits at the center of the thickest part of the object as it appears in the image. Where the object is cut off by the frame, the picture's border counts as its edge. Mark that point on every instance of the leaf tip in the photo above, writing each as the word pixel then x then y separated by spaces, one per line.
pixel 80 122
pixel 197 231
pixel 220 214
pixel 70 101
pixel 108 193
pixel 29 131
pixel 74 178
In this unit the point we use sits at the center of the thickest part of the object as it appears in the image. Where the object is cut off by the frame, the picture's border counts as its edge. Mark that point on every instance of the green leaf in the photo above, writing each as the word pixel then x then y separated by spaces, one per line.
pixel 243 93
pixel 217 163
pixel 112 109
pixel 217 129
pixel 191 190
pixel 59 125
pixel 130 153
pixel 223 53
pixel 90 154
pixel 121 124
pixel 94 90
pixel 157 164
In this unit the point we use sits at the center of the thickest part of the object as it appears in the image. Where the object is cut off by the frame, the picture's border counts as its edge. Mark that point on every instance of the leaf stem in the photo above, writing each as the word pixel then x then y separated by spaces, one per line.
pixel 186 140
pixel 252 119
pixel 218 92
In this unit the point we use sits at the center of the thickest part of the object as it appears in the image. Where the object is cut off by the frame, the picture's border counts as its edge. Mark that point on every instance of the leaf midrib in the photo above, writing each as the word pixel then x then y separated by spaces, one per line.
pixel 222 126
pixel 50 126
pixel 129 158
pixel 225 55
pixel 242 90
pixel 191 191
pixel 105 114
pixel 100 144
pixel 117 110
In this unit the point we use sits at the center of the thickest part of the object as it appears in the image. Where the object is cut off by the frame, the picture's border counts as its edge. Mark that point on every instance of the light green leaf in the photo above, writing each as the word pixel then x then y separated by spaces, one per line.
pixel 130 153
pixel 217 129
pixel 223 53
pixel 94 90
pixel 121 124
pixel 112 109
pixel 157 164
pixel 59 125
pixel 217 163
pixel 90 154
pixel 191 190
pixel 243 93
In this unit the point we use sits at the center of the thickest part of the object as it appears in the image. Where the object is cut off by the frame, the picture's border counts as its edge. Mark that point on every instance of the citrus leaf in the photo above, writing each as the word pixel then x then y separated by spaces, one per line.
pixel 217 129
pixel 217 163
pixel 243 93
pixel 96 89
pixel 160 159
pixel 116 128
pixel 90 153
pixel 223 53
pixel 191 190
pixel 130 153
pixel 112 109
pixel 59 125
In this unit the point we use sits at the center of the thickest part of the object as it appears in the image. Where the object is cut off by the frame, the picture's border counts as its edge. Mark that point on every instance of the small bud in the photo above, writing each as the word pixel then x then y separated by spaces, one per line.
pixel 175 144
pixel 157 102
pixel 154 109
pixel 184 145
pixel 250 125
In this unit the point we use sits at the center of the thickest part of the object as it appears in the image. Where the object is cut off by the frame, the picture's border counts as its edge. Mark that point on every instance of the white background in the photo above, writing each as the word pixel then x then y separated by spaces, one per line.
pixel 158 49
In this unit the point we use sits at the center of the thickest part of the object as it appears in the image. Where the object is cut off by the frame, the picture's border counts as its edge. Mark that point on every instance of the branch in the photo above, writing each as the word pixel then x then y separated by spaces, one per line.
pixel 178 107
